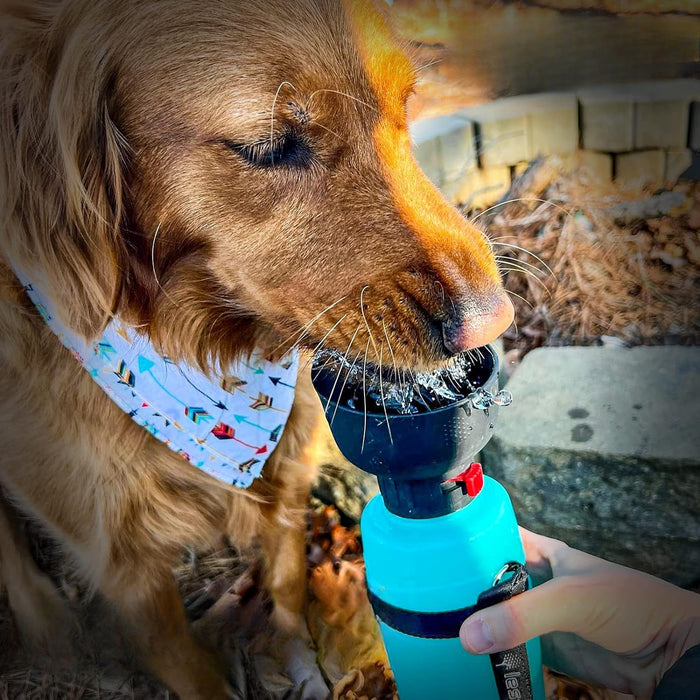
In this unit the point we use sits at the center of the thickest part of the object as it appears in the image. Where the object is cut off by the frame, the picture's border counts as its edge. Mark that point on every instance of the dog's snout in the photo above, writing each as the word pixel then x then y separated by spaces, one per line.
pixel 470 324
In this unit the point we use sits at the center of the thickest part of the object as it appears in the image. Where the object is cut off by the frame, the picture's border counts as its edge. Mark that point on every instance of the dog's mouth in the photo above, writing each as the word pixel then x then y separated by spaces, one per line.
pixel 395 349
pixel 378 389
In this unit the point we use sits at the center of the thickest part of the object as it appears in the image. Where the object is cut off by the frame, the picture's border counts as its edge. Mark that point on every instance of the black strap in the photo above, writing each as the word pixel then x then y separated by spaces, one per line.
pixel 428 625
pixel 510 668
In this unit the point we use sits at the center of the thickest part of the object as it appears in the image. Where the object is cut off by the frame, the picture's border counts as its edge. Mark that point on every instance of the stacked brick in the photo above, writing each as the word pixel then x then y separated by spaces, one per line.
pixel 638 134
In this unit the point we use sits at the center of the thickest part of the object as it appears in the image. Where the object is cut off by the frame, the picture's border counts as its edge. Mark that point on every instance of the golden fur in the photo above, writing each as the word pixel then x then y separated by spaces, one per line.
pixel 135 177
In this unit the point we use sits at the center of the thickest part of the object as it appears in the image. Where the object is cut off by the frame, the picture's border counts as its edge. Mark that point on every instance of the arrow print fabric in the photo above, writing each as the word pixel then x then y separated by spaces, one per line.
pixel 226 426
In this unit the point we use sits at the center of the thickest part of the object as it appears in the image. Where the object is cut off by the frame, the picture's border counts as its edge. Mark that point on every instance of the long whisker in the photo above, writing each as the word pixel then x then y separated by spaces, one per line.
pixel 520 199
pixel 304 329
pixel 393 359
pixel 344 94
pixel 340 366
pixel 364 398
pixel 508 258
pixel 320 369
pixel 362 310
pixel 515 268
pixel 330 131
pixel 529 252
pixel 272 118
pixel 512 266
pixel 494 358
pixel 428 64
pixel 508 291
pixel 381 393
pixel 345 381
pixel 320 342
pixel 528 276
pixel 521 262
pixel 153 263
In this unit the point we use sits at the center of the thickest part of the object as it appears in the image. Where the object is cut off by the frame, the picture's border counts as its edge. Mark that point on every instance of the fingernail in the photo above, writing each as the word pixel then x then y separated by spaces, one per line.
pixel 477 637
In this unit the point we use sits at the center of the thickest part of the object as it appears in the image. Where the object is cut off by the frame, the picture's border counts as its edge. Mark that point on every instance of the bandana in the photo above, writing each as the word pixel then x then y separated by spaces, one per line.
pixel 226 426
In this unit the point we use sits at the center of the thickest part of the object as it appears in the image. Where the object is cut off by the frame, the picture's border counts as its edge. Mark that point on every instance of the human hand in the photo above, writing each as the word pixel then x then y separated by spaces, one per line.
pixel 599 621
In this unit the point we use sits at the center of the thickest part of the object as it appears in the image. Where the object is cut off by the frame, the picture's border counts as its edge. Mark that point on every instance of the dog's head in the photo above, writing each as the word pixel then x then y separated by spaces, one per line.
pixel 231 175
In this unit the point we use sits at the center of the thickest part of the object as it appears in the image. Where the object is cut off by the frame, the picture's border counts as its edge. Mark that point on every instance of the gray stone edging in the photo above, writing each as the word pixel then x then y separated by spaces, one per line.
pixel 643 133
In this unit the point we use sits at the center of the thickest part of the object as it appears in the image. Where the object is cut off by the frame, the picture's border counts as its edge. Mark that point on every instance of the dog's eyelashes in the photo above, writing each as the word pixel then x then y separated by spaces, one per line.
pixel 287 149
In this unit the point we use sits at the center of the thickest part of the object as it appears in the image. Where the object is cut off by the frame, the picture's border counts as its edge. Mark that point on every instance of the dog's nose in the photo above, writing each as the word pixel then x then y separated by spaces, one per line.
pixel 470 326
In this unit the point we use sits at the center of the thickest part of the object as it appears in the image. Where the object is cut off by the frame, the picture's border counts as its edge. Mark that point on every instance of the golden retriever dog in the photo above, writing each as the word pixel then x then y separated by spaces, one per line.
pixel 265 144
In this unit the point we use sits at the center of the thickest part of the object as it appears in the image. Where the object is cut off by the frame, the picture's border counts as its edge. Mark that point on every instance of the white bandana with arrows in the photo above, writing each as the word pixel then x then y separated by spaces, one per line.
pixel 226 426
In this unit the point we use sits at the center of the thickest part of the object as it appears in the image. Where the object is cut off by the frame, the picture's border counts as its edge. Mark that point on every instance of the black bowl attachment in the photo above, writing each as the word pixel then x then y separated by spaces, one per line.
pixel 416 458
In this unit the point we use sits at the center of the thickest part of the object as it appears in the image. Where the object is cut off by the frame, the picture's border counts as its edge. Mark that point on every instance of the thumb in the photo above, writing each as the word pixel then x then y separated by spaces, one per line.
pixel 543 609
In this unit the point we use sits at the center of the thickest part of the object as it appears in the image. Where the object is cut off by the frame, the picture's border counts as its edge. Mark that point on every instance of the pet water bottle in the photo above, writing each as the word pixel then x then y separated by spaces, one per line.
pixel 440 541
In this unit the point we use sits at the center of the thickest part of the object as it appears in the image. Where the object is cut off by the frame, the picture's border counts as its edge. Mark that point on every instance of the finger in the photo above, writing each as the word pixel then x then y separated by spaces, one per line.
pixel 540 546
pixel 553 606
pixel 538 565
pixel 548 557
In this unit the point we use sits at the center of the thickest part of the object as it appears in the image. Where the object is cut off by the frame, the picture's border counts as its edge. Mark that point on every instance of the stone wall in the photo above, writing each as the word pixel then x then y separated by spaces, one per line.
pixel 636 134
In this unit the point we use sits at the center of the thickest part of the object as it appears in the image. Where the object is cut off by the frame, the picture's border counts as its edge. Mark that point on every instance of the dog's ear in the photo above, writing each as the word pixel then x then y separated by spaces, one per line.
pixel 88 242
pixel 64 160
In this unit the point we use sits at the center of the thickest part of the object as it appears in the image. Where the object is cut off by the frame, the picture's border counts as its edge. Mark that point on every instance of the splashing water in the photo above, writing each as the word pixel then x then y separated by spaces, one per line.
pixel 416 392
pixel 481 399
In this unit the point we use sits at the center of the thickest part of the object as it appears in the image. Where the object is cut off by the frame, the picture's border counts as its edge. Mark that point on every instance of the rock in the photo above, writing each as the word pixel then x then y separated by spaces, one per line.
pixel 346 487
pixel 600 449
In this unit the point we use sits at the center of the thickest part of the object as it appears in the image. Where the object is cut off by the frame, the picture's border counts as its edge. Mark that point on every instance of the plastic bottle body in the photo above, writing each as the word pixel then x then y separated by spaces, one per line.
pixel 436 565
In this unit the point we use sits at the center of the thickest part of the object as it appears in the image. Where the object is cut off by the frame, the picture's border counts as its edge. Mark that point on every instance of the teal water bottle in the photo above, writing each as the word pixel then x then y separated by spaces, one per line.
pixel 440 541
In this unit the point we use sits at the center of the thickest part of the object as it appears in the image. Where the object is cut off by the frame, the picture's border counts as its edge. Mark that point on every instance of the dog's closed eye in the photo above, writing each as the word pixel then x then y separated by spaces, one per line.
pixel 286 149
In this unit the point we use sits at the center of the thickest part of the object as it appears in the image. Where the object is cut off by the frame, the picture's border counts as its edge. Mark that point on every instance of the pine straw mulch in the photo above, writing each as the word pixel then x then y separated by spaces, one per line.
pixel 605 264
pixel 227 605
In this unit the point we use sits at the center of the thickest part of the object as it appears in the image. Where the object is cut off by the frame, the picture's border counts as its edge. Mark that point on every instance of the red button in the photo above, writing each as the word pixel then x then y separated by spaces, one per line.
pixel 472 478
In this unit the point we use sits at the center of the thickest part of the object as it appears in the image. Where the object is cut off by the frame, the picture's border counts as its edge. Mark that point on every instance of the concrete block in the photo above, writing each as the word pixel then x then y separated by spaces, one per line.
pixel 597 166
pixel 600 449
pixel 677 162
pixel 482 187
pixel 608 111
pixel 661 124
pixel 607 126
pixel 505 142
pixel 645 91
pixel 519 128
pixel 458 152
pixel 695 127
pixel 423 130
pixel 429 157
pixel 520 106
pixel 554 132
pixel 641 168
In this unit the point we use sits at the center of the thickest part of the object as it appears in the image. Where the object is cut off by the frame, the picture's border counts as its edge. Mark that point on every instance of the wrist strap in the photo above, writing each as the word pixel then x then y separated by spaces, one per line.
pixel 510 667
